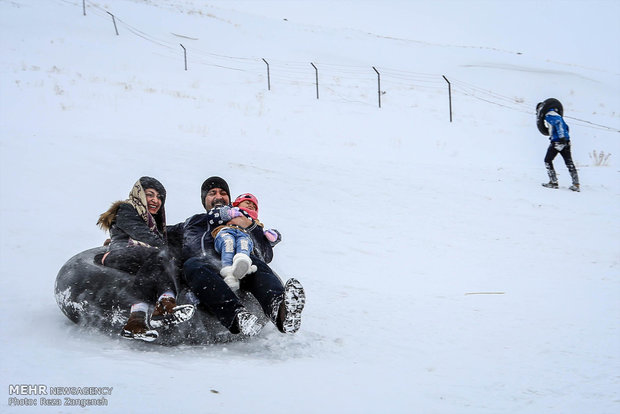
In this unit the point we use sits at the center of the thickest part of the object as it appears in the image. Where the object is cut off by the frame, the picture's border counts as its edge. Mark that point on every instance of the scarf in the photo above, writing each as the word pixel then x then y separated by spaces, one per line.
pixel 137 199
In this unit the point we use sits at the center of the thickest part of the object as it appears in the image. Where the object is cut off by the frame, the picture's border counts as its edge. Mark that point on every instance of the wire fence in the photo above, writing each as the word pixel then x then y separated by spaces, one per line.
pixel 340 76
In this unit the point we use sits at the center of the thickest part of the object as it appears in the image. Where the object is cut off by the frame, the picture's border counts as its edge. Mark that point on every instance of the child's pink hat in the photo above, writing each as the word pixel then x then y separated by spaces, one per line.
pixel 246 197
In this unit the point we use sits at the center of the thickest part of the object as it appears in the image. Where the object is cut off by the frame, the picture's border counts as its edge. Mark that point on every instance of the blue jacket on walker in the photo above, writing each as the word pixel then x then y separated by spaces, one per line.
pixel 558 130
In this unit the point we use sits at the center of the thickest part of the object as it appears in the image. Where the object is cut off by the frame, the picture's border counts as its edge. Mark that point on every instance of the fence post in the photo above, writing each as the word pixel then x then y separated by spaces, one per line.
pixel 378 85
pixel 316 71
pixel 449 95
pixel 268 78
pixel 184 54
pixel 113 21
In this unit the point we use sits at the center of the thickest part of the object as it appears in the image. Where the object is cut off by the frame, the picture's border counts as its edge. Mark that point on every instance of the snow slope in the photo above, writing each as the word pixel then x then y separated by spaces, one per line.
pixel 441 277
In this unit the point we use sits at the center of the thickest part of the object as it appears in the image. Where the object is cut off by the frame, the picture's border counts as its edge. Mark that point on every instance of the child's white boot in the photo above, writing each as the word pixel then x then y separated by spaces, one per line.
pixel 229 277
pixel 242 265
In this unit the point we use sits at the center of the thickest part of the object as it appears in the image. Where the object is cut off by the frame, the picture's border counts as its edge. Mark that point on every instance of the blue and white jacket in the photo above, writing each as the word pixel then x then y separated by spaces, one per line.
pixel 558 130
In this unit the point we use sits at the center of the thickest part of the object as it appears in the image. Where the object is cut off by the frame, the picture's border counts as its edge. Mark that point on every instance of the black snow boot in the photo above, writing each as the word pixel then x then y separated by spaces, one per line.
pixel 553 178
pixel 289 312
pixel 246 324
pixel 575 177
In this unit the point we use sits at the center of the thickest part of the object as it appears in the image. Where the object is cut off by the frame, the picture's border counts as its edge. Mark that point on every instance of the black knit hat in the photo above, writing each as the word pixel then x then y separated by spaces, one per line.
pixel 150 182
pixel 209 184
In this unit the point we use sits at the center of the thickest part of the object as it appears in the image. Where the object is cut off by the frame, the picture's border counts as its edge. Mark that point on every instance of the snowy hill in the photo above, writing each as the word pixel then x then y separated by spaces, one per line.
pixel 441 277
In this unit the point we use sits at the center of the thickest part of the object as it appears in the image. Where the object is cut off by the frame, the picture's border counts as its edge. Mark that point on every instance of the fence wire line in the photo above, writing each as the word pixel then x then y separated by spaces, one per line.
pixel 332 75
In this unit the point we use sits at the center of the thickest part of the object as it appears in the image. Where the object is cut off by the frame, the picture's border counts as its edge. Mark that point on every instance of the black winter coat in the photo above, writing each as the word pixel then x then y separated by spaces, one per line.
pixel 129 224
pixel 194 238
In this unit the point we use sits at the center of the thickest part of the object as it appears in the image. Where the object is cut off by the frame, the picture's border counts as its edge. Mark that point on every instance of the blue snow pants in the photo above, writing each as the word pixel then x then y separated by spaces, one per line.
pixel 230 241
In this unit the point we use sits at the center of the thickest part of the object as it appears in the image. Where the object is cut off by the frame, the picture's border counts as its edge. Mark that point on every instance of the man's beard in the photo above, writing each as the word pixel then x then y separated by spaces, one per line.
pixel 219 202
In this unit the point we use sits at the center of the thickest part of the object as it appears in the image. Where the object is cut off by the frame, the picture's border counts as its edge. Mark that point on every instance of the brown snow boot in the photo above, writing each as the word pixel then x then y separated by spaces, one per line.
pixel 168 313
pixel 164 306
pixel 136 328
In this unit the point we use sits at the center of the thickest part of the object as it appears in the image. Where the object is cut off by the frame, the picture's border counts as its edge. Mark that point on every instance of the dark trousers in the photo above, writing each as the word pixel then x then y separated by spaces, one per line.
pixel 552 152
pixel 151 267
pixel 207 284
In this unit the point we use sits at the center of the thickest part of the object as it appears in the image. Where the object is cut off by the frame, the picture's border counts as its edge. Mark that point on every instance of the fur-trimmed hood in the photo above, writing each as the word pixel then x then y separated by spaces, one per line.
pixel 108 218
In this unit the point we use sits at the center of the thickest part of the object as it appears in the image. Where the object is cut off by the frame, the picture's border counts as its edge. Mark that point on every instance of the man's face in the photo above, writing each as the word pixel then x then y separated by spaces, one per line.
pixel 216 197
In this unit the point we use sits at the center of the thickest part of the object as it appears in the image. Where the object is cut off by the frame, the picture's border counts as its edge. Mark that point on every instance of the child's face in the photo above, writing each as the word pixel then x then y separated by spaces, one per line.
pixel 247 204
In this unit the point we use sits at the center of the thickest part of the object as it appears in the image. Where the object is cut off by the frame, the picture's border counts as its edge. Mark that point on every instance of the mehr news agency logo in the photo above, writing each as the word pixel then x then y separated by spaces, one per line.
pixel 42 395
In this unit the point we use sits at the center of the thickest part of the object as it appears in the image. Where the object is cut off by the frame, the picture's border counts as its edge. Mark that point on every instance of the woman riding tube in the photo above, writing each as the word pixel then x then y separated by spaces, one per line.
pixel 138 246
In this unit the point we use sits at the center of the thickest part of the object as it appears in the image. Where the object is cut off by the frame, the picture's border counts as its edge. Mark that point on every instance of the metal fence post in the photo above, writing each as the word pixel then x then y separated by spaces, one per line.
pixel 378 85
pixel 268 78
pixel 316 71
pixel 184 55
pixel 449 95
pixel 113 21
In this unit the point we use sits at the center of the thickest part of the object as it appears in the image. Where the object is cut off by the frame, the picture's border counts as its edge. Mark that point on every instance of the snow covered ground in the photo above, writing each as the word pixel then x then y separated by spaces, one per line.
pixel 441 277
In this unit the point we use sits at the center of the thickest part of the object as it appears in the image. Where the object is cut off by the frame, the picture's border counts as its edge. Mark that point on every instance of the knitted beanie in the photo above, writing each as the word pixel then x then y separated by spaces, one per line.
pixel 211 183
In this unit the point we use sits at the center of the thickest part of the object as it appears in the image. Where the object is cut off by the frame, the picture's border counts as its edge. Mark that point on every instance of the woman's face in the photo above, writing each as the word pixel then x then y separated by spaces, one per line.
pixel 153 200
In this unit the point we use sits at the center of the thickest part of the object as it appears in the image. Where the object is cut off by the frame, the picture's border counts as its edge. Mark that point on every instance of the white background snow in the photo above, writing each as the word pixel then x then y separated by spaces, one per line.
pixel 441 277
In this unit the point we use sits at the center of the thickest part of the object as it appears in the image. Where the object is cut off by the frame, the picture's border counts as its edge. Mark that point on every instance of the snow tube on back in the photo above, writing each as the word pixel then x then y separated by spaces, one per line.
pixel 96 296
pixel 541 110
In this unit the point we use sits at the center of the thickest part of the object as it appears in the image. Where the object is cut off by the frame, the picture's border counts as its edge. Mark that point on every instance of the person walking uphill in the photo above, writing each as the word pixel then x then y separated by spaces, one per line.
pixel 550 121
pixel 137 229
pixel 282 304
